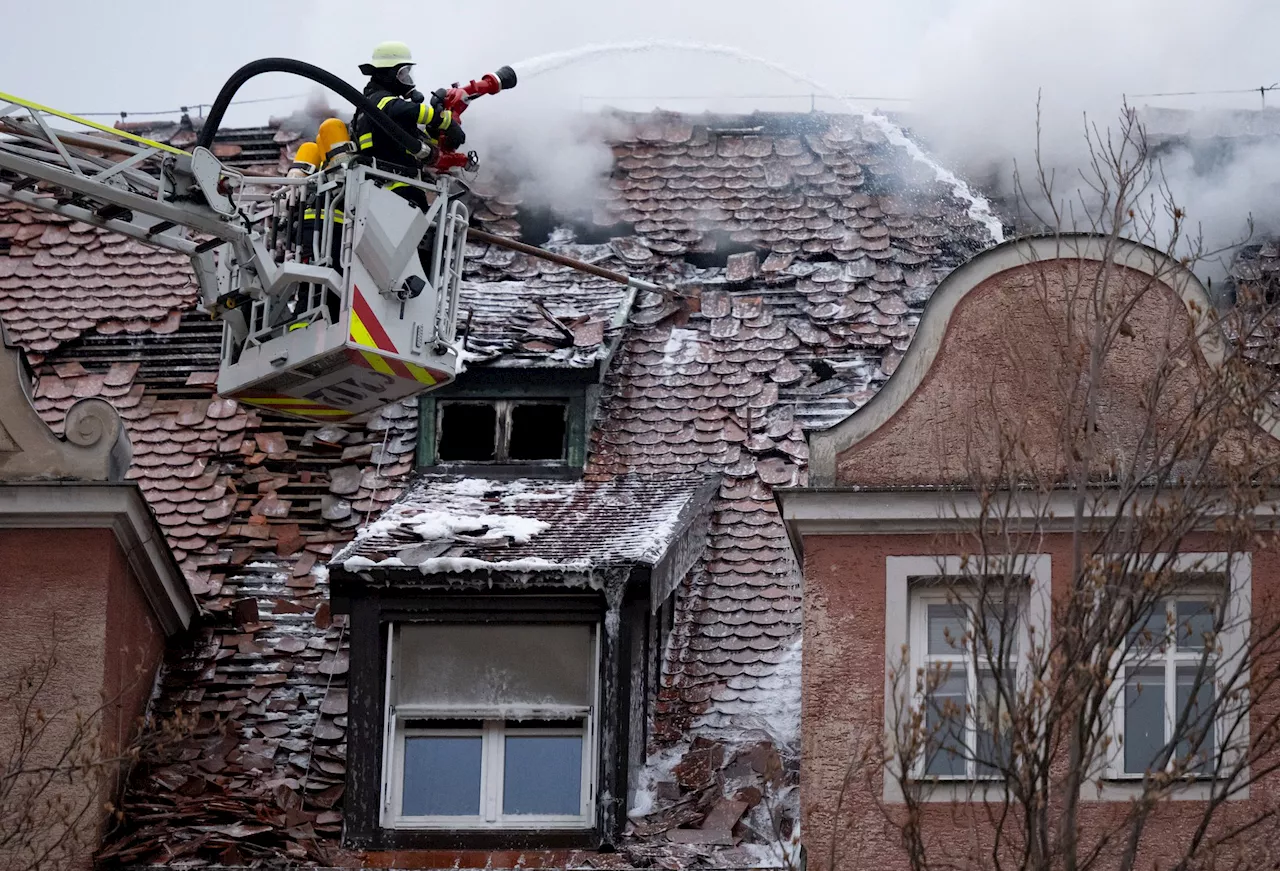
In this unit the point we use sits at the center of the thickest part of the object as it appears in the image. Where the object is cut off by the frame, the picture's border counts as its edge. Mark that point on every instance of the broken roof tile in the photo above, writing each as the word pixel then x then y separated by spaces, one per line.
pixel 801 341
pixel 527 525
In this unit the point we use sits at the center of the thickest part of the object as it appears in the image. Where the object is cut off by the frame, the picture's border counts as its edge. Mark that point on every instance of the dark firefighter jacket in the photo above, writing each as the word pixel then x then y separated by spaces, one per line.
pixel 428 117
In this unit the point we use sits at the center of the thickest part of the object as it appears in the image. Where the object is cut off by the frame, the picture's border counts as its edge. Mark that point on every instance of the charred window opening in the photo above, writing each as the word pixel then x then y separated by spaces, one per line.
pixel 537 431
pixel 468 432
pixel 539 224
pixel 536 224
pixel 587 232
pixel 715 251
pixel 502 431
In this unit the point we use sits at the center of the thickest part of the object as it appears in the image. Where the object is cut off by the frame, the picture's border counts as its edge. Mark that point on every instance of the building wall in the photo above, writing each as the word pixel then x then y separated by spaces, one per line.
pixel 135 647
pixel 843 714
pixel 71 611
pixel 1005 366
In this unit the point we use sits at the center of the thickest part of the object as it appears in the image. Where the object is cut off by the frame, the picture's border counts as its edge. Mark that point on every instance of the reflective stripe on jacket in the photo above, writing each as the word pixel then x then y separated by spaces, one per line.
pixel 310 215
pixel 428 118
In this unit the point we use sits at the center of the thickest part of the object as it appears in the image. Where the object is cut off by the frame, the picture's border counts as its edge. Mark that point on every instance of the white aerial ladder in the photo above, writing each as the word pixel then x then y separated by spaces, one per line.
pixel 328 309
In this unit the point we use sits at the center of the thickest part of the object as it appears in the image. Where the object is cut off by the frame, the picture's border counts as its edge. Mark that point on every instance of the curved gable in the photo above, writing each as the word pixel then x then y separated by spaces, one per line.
pixel 989 358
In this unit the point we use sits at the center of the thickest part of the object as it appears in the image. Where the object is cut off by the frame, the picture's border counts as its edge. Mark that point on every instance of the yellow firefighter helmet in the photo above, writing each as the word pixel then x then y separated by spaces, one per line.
pixel 390 54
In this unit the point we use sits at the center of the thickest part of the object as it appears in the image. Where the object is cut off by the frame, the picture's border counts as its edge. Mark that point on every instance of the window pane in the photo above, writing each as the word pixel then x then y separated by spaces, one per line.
pixel 994 739
pixel 1195 623
pixel 468 432
pixel 1196 738
pixel 1001 620
pixel 542 775
pixel 945 750
pixel 441 777
pixel 1149 629
pixel 486 665
pixel 1143 718
pixel 537 431
pixel 946 628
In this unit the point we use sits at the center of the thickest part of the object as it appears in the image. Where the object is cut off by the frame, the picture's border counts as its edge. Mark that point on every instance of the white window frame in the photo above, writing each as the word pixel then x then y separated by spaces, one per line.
pixel 924 662
pixel 493 732
pixel 1237 570
pixel 899 615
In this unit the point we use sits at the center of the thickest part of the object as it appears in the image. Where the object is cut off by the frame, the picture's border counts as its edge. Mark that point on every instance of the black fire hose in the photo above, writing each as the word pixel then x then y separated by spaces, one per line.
pixel 407 140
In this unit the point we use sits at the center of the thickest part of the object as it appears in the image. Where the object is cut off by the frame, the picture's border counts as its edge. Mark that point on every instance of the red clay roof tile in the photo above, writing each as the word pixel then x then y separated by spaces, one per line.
pixel 725 384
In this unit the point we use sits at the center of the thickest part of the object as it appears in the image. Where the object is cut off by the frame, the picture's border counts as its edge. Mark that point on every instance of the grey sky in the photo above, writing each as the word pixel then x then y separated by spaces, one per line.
pixel 80 55
pixel 973 68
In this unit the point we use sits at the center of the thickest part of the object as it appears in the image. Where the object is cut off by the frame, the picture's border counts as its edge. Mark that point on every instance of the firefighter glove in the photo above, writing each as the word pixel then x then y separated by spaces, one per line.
pixel 452 137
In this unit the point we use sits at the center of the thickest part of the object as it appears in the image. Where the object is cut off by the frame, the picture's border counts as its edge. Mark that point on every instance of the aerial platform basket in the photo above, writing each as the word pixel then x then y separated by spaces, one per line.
pixel 378 323
pixel 337 294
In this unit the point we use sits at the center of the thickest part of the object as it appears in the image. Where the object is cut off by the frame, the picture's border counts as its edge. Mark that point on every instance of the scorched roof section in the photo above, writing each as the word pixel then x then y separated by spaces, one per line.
pixel 450 524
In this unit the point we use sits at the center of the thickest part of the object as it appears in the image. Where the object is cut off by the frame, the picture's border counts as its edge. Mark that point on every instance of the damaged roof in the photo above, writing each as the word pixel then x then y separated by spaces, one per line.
pixel 566 323
pixel 1257 266
pixel 808 239
pixel 60 279
pixel 451 525
pixel 803 247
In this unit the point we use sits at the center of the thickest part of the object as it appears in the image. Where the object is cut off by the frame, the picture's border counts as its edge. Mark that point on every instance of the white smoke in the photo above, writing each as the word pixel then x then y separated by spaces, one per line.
pixel 970 70
pixel 1232 195
pixel 557 160
pixel 974 71
pixel 983 65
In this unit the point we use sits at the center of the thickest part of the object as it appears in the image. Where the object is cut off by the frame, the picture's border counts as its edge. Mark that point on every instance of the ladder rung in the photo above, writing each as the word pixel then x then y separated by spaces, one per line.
pixel 208 245
pixel 161 227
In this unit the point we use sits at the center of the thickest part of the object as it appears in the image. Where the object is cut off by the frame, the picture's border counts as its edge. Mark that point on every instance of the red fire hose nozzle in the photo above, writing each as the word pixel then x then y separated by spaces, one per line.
pixel 457 97
pixel 504 79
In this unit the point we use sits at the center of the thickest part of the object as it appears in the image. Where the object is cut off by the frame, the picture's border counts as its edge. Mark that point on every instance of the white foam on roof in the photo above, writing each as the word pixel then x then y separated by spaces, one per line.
pixel 492 515
pixel 512 498
pixel 469 487
pixel 779 712
pixel 658 768
pixel 478 529
pixel 462 565
pixel 649 541
pixel 681 347
pixel 775 713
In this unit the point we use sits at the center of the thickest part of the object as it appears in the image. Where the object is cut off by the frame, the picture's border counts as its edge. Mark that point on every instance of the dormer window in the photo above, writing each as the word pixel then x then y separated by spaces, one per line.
pixel 535 431
pixel 501 431
pixel 499 697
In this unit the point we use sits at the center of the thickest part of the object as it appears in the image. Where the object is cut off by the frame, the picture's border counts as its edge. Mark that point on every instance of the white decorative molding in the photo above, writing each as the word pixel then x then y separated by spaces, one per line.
pixel 96 447
pixel 857 511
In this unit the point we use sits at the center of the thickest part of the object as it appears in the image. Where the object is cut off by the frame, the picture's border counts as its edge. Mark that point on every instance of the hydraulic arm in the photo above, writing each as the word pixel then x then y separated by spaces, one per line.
pixel 327 309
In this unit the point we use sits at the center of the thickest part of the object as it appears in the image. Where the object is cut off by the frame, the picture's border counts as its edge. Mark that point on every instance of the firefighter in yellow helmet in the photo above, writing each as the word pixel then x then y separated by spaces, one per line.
pixel 391 89
pixel 303 233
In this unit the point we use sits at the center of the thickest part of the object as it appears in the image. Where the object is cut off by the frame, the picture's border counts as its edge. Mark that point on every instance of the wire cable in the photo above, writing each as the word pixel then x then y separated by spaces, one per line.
pixel 1263 90
pixel 184 109
pixel 1260 90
